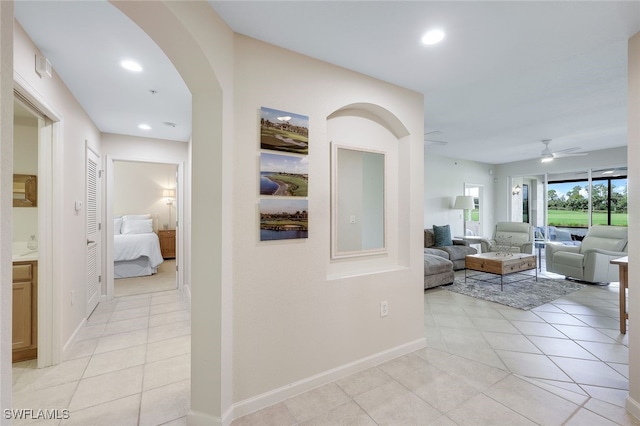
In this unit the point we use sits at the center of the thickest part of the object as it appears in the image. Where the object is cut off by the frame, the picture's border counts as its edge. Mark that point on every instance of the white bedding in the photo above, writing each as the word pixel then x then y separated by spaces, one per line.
pixel 133 246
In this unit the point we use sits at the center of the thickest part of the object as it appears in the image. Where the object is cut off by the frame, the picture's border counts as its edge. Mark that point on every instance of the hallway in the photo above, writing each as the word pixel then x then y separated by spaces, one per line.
pixel 129 366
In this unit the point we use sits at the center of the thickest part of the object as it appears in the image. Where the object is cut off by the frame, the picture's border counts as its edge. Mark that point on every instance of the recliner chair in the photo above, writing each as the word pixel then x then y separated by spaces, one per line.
pixel 515 237
pixel 591 260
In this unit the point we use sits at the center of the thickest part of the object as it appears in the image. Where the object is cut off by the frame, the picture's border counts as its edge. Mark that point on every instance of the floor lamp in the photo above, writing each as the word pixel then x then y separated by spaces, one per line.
pixel 464 203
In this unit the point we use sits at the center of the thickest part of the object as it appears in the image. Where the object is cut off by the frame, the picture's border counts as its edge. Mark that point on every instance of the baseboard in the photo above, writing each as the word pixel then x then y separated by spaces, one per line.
pixel 197 418
pixel 67 346
pixel 280 394
pixel 633 407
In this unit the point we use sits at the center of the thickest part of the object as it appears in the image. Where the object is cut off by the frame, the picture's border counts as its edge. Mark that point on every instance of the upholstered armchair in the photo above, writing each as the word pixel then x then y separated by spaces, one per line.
pixel 590 261
pixel 516 237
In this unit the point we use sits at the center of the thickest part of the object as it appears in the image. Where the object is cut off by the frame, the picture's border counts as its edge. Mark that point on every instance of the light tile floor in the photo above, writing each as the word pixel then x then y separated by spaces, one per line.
pixel 130 366
pixel 563 363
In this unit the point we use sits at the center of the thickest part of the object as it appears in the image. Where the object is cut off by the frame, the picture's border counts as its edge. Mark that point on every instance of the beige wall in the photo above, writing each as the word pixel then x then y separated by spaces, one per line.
pixel 76 128
pixel 633 147
pixel 138 187
pixel 6 185
pixel 297 314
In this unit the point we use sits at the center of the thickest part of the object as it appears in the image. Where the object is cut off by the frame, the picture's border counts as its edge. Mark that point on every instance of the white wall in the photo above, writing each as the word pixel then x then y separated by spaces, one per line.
pixel 291 320
pixel 69 179
pixel 444 179
pixel 25 162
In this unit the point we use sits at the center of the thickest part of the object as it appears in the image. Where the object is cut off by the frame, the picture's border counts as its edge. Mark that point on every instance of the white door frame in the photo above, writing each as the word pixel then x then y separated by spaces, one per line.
pixel 108 271
pixel 49 225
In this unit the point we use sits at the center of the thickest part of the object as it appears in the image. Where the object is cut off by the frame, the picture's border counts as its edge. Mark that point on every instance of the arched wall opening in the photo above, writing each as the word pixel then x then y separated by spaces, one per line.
pixel 203 55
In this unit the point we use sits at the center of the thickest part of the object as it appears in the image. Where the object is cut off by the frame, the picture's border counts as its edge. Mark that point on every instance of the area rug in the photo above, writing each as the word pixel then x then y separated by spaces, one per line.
pixel 525 294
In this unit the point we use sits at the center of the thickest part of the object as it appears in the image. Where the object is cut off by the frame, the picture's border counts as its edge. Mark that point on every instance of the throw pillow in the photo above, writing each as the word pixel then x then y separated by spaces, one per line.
pixel 442 235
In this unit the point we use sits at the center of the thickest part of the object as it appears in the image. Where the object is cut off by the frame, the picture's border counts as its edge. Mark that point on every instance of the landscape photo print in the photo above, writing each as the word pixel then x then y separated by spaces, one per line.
pixel 284 175
pixel 284 131
pixel 284 219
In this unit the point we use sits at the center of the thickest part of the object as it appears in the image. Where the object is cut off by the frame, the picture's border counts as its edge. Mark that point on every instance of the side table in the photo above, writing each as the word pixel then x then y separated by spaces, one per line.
pixel 623 264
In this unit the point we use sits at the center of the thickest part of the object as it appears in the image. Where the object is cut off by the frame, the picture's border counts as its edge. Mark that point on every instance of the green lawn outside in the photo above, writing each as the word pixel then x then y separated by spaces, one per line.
pixel 581 219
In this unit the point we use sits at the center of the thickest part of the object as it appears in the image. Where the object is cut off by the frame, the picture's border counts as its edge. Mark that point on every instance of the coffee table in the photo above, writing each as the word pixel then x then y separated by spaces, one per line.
pixel 500 264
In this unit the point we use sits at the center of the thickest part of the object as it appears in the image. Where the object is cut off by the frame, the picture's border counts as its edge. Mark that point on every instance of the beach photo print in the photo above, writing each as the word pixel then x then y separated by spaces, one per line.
pixel 284 175
pixel 284 131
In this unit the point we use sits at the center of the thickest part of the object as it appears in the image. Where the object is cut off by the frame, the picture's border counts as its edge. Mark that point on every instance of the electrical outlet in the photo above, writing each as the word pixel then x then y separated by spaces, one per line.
pixel 384 308
pixel 73 297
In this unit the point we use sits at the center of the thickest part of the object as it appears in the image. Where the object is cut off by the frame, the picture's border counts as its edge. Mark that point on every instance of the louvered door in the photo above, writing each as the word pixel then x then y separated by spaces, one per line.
pixel 93 231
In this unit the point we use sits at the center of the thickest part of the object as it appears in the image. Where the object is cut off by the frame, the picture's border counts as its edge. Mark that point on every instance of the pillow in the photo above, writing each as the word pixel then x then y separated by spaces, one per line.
pixel 117 225
pixel 442 235
pixel 136 216
pixel 142 226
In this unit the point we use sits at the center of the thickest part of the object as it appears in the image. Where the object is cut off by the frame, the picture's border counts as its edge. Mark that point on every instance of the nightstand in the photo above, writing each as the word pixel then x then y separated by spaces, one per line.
pixel 167 243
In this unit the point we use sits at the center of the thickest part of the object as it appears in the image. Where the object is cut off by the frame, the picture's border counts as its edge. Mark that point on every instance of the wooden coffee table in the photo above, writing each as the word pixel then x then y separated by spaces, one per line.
pixel 500 264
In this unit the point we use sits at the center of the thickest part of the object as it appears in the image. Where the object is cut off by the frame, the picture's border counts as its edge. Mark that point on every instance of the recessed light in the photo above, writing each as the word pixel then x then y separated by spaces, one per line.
pixel 432 37
pixel 144 126
pixel 131 65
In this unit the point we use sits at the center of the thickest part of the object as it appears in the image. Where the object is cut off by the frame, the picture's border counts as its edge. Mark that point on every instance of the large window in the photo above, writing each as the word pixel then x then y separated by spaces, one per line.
pixel 568 200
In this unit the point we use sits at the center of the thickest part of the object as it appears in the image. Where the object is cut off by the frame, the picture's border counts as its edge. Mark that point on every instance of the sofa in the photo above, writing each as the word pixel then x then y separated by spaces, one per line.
pixel 455 252
pixel 438 270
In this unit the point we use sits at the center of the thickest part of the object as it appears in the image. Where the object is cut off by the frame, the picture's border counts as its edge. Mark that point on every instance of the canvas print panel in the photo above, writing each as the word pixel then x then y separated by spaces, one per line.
pixel 284 131
pixel 283 219
pixel 284 175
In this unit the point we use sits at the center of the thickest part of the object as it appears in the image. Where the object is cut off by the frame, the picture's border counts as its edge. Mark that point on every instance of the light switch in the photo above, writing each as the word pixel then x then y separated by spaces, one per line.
pixel 78 206
pixel 352 218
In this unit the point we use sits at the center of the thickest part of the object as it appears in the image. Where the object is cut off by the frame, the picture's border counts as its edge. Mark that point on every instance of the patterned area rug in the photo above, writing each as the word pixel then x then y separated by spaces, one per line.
pixel 525 294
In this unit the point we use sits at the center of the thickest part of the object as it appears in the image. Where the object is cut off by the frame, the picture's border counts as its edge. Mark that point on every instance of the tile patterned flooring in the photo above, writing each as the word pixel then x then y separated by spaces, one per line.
pixel 131 365
pixel 563 363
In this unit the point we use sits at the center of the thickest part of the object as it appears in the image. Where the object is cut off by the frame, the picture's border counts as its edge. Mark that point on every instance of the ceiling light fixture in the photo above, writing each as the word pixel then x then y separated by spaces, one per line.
pixel 546 159
pixel 131 65
pixel 144 126
pixel 432 37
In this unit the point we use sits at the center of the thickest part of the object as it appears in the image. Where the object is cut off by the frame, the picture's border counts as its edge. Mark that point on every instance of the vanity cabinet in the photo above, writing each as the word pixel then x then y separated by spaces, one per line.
pixel 25 311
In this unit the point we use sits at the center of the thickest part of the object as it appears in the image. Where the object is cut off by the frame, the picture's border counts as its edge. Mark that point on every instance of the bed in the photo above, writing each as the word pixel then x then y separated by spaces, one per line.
pixel 136 247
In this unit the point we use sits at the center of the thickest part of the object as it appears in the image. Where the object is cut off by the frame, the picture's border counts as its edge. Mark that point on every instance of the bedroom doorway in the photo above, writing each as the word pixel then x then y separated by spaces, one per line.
pixel 145 209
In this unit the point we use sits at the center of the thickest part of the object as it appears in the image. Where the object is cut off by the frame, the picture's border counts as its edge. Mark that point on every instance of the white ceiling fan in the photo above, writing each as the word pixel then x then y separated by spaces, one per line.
pixel 434 142
pixel 548 155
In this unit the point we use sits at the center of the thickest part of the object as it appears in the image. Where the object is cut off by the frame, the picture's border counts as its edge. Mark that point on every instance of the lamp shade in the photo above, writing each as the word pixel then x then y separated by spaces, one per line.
pixel 464 202
pixel 168 193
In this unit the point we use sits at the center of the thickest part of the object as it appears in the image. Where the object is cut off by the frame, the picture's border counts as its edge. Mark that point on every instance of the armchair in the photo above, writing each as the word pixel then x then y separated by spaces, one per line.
pixel 519 237
pixel 590 261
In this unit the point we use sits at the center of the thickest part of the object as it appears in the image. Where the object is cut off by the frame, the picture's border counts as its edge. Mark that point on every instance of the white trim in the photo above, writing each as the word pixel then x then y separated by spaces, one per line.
pixel 633 407
pixel 49 223
pixel 197 418
pixel 74 336
pixel 280 394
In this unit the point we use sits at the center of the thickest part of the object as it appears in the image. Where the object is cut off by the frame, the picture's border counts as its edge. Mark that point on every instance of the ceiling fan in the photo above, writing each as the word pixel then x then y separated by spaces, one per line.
pixel 548 155
pixel 434 142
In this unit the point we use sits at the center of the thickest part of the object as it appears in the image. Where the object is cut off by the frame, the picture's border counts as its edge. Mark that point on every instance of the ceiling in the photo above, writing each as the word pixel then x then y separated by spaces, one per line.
pixel 506 75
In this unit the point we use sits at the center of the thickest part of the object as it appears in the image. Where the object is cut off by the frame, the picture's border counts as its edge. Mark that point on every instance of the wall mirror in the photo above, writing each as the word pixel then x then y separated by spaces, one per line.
pixel 358 202
pixel 25 191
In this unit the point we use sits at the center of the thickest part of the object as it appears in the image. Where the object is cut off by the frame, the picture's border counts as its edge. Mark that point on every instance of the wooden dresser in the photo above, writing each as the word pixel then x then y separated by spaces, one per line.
pixel 25 311
pixel 167 243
